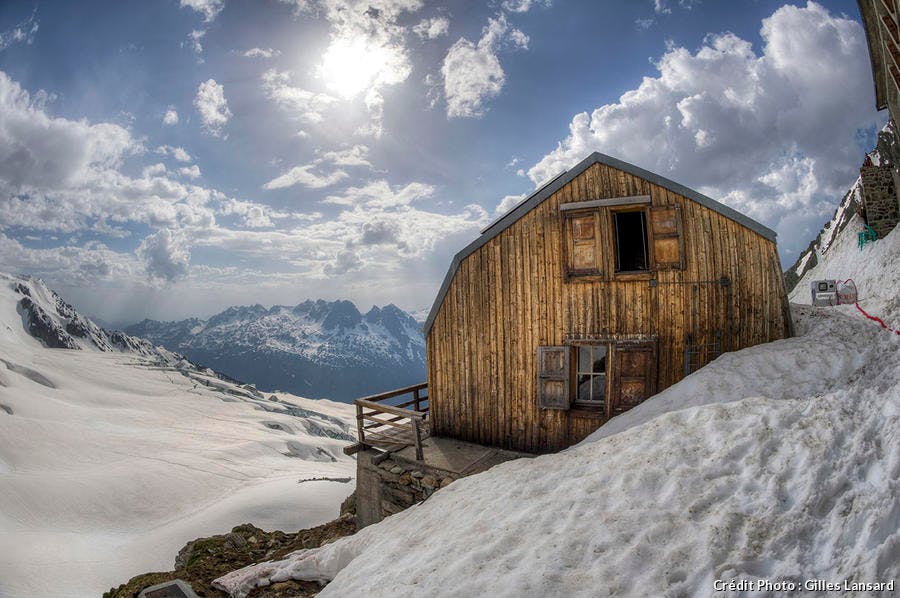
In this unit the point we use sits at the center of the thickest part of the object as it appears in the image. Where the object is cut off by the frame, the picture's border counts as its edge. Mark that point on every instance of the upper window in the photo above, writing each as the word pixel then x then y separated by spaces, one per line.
pixel 605 238
pixel 631 241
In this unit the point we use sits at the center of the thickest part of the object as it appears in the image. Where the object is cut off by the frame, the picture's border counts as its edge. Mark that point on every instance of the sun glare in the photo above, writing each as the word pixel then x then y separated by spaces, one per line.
pixel 350 66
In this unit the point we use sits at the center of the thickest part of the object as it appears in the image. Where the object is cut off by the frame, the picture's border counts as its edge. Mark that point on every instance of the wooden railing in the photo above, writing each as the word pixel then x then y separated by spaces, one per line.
pixel 397 424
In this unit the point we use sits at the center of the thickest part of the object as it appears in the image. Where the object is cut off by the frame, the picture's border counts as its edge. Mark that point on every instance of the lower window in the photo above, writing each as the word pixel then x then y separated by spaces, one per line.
pixel 591 375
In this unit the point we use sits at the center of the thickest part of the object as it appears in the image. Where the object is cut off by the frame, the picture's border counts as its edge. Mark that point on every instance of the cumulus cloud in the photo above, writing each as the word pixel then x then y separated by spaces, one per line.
pixel 179 153
pixel 166 255
pixel 379 194
pixel 306 176
pixel 23 33
pixel 523 5
pixel 170 117
pixel 508 203
pixel 208 8
pixel 262 53
pixel 314 174
pixel 254 215
pixel 191 172
pixel 304 105
pixel 472 72
pixel 771 134
pixel 212 106
pixel 432 28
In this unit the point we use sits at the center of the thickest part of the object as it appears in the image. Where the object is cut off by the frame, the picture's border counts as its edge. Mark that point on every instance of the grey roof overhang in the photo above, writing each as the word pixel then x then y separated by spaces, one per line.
pixel 557 183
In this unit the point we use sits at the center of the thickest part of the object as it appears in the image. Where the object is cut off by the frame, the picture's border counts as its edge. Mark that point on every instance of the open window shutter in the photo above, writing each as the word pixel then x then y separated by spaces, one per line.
pixel 553 377
pixel 634 376
pixel 668 243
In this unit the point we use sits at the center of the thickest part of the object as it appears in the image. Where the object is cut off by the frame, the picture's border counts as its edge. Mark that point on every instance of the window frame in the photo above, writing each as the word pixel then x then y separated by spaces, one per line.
pixel 606 248
pixel 648 240
pixel 598 406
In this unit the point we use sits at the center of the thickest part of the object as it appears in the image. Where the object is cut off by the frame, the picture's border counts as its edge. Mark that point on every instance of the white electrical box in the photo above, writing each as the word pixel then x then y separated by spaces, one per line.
pixel 824 292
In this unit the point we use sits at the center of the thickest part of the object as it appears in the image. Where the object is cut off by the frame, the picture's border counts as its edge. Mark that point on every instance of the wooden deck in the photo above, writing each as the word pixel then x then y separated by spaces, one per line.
pixel 457 456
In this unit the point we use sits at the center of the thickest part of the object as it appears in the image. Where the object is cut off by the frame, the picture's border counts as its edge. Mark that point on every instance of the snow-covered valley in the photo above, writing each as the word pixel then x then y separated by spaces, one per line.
pixel 778 462
pixel 110 461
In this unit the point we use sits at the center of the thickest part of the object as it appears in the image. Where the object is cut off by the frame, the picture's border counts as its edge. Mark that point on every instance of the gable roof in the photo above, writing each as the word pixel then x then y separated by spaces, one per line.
pixel 557 183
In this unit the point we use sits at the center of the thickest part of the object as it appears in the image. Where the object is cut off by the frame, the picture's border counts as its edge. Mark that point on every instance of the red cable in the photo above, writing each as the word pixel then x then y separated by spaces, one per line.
pixel 863 312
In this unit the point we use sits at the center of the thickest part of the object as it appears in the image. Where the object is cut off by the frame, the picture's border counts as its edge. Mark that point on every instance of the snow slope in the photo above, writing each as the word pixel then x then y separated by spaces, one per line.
pixel 111 460
pixel 780 461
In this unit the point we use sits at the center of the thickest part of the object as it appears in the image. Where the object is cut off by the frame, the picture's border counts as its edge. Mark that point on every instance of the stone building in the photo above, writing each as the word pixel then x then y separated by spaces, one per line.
pixel 879 199
pixel 881 182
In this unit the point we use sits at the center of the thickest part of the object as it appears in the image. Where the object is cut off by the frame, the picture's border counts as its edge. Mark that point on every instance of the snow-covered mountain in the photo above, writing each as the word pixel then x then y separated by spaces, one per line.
pixel 114 454
pixel 779 462
pixel 886 152
pixel 316 348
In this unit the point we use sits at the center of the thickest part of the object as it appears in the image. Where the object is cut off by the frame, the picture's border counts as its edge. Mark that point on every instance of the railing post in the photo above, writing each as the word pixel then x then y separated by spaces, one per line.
pixel 417 435
pixel 416 399
pixel 359 425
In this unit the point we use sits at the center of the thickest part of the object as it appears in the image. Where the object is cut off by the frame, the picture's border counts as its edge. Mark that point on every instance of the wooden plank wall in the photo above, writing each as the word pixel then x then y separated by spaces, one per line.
pixel 510 296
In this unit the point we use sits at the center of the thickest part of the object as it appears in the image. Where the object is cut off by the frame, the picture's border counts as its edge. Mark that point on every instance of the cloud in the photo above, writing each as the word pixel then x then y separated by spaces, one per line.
pixel 304 175
pixel 306 106
pixel 166 255
pixel 153 170
pixel 212 106
pixel 171 117
pixel 767 134
pixel 262 53
pixel 345 261
pixel 472 73
pixel 191 172
pixel 23 33
pixel 178 153
pixel 194 37
pixel 379 194
pixel 254 215
pixel 508 203
pixel 523 5
pixel 208 8
pixel 432 28
pixel 313 175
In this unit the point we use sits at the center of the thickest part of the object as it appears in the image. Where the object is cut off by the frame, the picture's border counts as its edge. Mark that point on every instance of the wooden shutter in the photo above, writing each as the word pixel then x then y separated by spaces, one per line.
pixel 581 243
pixel 634 376
pixel 668 243
pixel 553 377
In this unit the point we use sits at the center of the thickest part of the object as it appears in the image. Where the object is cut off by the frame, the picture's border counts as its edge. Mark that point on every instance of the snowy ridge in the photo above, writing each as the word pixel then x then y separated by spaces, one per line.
pixel 316 348
pixel 885 153
pixel 112 457
pixel 780 461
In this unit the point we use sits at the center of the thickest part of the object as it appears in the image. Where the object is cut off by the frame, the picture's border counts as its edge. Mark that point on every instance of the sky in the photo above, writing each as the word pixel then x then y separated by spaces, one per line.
pixel 170 158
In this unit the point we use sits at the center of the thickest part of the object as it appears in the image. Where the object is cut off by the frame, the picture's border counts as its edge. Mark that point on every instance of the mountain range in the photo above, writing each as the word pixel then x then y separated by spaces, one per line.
pixel 314 349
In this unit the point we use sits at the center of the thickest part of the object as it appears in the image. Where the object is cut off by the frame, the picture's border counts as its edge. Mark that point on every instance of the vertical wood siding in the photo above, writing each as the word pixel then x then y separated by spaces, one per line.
pixel 510 297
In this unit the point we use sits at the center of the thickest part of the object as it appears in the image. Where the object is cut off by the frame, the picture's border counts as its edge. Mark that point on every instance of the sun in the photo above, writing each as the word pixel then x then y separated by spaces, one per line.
pixel 350 66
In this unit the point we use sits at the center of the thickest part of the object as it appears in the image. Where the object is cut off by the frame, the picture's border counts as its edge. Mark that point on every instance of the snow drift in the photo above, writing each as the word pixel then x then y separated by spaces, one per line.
pixel 780 461
pixel 113 456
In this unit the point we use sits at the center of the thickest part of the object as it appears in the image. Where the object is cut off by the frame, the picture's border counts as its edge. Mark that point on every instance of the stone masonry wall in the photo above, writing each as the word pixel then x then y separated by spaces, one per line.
pixel 880 198
pixel 393 485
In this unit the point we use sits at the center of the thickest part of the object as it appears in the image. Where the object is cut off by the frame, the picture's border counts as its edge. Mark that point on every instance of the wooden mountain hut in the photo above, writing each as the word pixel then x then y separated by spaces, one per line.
pixel 608 284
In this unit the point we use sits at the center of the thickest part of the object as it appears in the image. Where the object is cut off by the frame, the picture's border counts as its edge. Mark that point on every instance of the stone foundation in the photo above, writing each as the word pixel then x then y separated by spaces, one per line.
pixel 882 211
pixel 393 485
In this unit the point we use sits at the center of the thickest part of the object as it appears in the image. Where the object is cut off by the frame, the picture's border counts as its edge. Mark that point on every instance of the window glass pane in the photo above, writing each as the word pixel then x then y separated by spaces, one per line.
pixel 584 388
pixel 598 363
pixel 584 359
pixel 598 388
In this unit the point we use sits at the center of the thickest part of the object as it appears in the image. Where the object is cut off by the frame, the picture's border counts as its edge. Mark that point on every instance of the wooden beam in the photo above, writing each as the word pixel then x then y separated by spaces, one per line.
pixel 360 403
pixel 394 393
pixel 603 203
